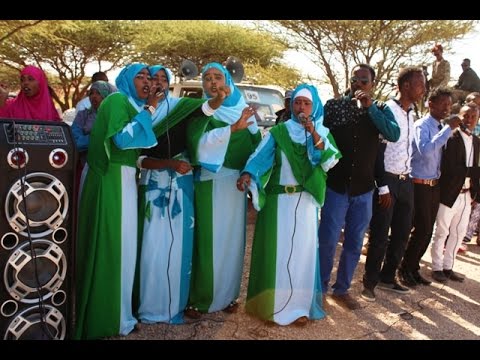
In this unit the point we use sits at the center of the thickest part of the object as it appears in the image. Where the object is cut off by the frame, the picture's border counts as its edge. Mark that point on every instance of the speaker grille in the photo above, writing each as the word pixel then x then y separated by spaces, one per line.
pixel 41 198
pixel 31 275
pixel 29 324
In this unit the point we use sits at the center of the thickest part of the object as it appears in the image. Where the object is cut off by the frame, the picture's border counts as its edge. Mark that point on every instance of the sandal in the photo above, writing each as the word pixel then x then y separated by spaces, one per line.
pixel 192 312
pixel 301 321
pixel 232 307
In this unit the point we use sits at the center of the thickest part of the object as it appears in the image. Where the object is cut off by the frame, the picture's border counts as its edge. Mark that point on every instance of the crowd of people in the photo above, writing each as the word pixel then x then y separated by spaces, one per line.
pixel 162 205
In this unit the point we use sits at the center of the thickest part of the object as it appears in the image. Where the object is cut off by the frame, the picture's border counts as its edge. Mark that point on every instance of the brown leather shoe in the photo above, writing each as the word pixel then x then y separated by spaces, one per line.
pixel 192 313
pixel 232 308
pixel 301 321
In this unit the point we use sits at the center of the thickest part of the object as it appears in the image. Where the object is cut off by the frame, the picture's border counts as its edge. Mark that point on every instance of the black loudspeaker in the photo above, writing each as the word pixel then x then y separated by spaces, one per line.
pixel 188 69
pixel 235 68
pixel 37 243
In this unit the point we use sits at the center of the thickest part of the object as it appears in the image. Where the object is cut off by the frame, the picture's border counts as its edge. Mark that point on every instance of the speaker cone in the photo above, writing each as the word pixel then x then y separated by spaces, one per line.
pixel 38 201
pixel 29 276
pixel 37 323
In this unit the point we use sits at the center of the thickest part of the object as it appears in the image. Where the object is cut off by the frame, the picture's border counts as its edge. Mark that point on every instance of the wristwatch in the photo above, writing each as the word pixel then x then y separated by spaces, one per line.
pixel 149 108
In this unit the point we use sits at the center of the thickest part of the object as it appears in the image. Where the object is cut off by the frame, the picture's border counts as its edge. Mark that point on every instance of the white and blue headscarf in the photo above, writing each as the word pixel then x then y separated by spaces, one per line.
pixel 294 126
pixel 233 104
pixel 169 102
pixel 126 85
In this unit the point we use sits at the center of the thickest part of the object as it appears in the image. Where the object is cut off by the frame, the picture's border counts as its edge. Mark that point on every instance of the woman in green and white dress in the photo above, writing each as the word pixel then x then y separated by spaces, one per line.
pixel 287 178
pixel 107 221
pixel 219 146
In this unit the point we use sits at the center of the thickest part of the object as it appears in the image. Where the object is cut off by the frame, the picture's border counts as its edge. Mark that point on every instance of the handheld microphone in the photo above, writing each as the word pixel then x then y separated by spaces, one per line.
pixel 464 128
pixel 461 125
pixel 302 117
pixel 357 100
pixel 159 91
pixel 303 120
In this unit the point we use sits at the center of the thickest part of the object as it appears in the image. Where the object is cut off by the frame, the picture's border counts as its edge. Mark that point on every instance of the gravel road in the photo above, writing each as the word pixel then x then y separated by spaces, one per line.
pixel 439 311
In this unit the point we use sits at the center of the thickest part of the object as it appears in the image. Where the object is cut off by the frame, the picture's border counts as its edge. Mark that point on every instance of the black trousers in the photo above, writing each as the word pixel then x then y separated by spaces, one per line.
pixel 427 201
pixel 382 248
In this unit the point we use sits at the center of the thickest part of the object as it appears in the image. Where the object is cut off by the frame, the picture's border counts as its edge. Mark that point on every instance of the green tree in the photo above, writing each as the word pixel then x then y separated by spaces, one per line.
pixel 9 28
pixel 9 72
pixel 337 45
pixel 170 42
pixel 68 49
pixel 9 78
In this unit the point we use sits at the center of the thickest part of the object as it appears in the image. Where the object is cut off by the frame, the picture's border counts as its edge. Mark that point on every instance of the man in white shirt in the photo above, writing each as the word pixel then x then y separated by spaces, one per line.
pixel 393 197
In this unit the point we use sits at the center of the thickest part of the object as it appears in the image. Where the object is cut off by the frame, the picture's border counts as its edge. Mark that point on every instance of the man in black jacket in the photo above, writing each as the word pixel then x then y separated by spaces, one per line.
pixel 459 185
pixel 355 121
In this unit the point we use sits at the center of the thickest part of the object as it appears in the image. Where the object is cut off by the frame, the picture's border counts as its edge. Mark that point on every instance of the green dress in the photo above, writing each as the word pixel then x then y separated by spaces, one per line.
pixel 107 221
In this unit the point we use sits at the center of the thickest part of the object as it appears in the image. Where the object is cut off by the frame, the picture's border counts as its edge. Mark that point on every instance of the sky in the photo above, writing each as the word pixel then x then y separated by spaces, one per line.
pixel 461 49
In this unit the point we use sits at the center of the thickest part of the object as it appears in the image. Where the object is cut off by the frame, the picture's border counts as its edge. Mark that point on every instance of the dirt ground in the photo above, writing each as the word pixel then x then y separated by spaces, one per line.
pixel 438 311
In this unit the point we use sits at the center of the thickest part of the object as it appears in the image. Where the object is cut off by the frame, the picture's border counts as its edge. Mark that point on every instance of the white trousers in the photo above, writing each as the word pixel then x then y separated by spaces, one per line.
pixel 452 223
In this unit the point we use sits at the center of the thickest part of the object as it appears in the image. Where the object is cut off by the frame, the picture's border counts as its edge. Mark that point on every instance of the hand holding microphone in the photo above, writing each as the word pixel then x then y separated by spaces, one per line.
pixel 306 122
pixel 155 95
pixel 160 93
pixel 362 98
pixel 454 121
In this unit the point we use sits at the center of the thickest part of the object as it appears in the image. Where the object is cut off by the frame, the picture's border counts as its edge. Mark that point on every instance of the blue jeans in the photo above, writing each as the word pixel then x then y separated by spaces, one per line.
pixel 339 209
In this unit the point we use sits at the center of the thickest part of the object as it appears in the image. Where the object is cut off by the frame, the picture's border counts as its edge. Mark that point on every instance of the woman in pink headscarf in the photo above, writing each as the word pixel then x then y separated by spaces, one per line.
pixel 33 101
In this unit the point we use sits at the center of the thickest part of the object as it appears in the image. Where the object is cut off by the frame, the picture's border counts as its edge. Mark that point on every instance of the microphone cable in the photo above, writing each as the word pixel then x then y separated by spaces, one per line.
pixel 293 235
pixel 170 249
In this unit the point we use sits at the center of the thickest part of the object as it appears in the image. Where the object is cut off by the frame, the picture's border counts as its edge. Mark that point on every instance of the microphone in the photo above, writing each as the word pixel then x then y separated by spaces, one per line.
pixel 461 125
pixel 464 128
pixel 303 120
pixel 302 117
pixel 159 91
pixel 357 100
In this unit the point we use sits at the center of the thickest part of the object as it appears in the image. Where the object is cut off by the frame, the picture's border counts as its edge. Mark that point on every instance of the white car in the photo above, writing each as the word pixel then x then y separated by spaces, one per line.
pixel 268 99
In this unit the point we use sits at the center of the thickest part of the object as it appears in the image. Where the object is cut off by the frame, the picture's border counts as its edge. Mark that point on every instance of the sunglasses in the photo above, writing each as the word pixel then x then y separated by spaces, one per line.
pixel 363 80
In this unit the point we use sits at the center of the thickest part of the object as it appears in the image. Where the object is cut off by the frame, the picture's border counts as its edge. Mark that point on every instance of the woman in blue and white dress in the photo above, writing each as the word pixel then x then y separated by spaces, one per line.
pixel 166 205
pixel 165 219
